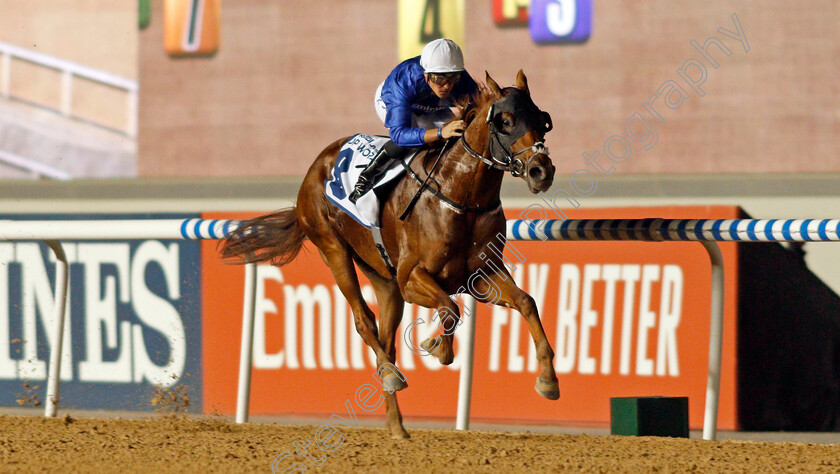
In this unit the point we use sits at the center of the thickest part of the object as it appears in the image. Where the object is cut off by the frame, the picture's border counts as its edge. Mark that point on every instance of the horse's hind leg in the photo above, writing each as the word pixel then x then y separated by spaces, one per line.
pixel 390 314
pixel 501 290
pixel 337 257
pixel 313 215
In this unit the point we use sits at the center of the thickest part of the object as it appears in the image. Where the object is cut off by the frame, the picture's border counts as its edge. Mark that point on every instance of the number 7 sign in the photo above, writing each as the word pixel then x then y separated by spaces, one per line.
pixel 560 21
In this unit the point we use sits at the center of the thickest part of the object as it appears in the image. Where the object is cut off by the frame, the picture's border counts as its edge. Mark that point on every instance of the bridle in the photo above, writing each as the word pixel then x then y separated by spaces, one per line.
pixel 510 161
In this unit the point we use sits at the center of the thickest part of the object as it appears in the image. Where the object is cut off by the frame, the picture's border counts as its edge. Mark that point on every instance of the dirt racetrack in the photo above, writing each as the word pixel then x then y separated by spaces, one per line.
pixel 181 444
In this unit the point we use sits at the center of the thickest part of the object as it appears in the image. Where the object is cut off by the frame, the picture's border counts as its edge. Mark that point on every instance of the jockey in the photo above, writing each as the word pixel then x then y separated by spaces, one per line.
pixel 415 102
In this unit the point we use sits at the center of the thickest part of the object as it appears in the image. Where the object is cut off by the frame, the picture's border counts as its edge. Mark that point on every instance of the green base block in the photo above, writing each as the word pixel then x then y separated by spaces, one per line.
pixel 649 416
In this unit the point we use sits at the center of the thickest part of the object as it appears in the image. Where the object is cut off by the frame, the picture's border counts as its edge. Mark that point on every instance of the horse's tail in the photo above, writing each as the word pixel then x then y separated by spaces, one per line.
pixel 276 238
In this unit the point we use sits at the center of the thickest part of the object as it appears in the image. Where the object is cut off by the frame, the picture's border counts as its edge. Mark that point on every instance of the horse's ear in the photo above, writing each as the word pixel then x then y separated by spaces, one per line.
pixel 493 86
pixel 522 82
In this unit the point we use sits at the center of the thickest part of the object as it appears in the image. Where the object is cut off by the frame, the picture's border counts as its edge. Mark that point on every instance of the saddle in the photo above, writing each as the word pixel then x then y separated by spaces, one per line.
pixel 353 158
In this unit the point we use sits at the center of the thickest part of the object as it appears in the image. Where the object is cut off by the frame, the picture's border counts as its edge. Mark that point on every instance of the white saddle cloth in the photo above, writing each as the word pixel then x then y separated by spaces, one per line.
pixel 352 159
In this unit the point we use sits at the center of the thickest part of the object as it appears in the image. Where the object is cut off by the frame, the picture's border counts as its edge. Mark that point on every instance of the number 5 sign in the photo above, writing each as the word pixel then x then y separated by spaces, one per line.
pixel 560 21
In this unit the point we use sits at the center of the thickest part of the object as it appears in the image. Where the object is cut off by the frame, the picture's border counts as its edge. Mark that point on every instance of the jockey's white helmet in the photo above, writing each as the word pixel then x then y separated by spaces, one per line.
pixel 442 55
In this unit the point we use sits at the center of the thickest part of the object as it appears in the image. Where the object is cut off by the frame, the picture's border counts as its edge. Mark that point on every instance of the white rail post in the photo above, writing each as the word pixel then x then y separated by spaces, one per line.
pixel 6 74
pixel 66 92
pixel 59 314
pixel 715 343
pixel 462 421
pixel 133 108
pixel 246 347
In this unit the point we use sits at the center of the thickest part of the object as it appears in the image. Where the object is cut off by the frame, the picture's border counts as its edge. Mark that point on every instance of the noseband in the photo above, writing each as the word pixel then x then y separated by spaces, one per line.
pixel 511 163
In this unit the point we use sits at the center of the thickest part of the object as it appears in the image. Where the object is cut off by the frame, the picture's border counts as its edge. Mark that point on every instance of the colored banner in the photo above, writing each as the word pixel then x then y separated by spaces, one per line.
pixel 560 21
pixel 421 21
pixel 144 13
pixel 623 318
pixel 191 27
pixel 133 324
pixel 511 12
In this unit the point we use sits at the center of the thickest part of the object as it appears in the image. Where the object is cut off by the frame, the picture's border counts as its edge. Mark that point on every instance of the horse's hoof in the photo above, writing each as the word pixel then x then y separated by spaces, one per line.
pixel 434 346
pixel 548 388
pixel 392 383
pixel 431 345
pixel 400 434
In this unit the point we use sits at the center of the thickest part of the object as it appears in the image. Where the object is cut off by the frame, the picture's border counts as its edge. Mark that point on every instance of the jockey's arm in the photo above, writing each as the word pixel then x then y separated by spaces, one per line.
pixel 398 121
pixel 452 129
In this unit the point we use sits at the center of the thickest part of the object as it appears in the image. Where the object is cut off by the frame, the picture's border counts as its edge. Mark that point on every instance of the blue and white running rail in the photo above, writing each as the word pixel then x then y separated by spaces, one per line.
pixel 658 230
pixel 187 229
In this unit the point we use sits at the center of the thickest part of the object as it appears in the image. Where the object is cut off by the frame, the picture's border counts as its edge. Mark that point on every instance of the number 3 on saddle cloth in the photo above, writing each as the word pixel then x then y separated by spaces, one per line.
pixel 352 159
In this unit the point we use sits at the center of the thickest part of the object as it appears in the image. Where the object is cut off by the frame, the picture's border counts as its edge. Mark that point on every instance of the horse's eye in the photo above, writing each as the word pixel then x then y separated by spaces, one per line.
pixel 503 122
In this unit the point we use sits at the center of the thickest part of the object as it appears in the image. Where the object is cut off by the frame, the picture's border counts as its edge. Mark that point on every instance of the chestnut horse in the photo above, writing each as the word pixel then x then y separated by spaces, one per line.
pixel 441 242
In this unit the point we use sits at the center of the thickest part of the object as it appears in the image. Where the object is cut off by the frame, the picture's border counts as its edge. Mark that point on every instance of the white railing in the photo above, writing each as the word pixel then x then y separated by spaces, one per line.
pixel 705 231
pixel 53 231
pixel 37 169
pixel 69 71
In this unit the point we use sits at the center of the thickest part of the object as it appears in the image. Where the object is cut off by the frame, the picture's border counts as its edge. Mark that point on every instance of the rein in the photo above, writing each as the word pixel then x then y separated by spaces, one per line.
pixel 516 166
pixel 424 185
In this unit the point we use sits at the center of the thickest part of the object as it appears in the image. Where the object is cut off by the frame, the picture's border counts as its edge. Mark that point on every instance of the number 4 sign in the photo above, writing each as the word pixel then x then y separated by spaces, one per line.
pixel 422 21
pixel 560 21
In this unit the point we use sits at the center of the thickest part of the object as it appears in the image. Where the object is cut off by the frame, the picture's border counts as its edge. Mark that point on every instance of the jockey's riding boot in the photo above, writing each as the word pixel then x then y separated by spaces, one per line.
pixel 374 170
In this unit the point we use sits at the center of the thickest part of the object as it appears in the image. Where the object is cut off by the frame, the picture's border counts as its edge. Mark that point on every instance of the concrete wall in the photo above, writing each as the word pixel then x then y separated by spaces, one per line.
pixel 68 147
pixel 100 34
pixel 291 77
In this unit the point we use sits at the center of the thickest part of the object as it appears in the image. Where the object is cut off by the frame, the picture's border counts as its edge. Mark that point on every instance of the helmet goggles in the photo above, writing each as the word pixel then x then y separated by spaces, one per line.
pixel 441 78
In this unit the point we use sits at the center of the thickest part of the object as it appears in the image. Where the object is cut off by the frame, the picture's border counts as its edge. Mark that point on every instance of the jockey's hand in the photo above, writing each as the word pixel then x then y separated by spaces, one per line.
pixel 454 128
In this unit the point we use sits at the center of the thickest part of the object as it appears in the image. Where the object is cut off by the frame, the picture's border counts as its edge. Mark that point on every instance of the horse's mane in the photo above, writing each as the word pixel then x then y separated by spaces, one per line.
pixel 470 106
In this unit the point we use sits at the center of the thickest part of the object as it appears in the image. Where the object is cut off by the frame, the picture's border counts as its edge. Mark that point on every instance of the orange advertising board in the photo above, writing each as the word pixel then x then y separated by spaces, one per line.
pixel 623 318
pixel 191 27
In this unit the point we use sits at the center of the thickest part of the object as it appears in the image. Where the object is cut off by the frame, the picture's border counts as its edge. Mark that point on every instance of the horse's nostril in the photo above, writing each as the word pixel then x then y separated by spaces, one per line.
pixel 537 173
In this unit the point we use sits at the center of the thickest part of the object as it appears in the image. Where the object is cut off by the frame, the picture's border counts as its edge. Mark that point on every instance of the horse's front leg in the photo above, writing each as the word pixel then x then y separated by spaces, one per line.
pixel 501 290
pixel 422 289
